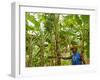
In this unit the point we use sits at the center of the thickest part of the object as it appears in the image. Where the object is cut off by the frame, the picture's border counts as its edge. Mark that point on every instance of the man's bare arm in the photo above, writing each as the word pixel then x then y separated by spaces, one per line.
pixel 65 58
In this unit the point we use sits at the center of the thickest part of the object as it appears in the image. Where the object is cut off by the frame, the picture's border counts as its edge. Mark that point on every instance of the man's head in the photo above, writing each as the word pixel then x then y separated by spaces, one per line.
pixel 74 49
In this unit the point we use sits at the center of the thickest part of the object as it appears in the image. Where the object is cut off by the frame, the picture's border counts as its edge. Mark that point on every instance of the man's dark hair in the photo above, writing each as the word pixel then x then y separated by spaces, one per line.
pixel 74 47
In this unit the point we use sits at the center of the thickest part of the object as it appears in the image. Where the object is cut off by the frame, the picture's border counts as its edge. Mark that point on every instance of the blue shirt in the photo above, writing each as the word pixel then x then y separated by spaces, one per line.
pixel 76 59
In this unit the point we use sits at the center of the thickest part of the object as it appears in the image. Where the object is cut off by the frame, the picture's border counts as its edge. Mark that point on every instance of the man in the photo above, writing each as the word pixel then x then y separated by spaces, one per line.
pixel 77 58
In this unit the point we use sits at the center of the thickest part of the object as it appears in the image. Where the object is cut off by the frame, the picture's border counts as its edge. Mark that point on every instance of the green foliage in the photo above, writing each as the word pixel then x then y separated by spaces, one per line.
pixel 49 34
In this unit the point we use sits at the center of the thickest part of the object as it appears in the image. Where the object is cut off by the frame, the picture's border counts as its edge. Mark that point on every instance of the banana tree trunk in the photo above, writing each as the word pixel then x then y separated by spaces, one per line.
pixel 42 60
pixel 57 46
pixel 30 52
